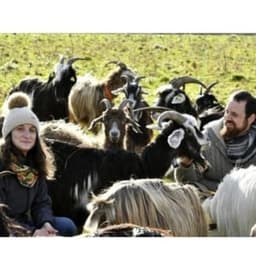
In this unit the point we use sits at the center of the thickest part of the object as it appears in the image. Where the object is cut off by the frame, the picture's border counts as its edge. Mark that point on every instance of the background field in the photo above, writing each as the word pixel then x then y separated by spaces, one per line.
pixel 228 58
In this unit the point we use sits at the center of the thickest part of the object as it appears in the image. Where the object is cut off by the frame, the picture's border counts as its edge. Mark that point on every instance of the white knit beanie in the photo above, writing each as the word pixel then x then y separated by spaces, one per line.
pixel 19 112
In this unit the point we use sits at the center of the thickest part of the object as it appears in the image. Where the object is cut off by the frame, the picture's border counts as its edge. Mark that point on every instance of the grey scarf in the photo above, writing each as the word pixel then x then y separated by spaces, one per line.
pixel 242 146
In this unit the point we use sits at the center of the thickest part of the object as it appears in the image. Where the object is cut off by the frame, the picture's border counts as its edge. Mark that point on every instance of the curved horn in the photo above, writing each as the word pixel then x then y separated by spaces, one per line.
pixel 117 91
pixel 95 121
pixel 124 103
pixel 171 115
pixel 210 87
pixel 111 62
pixel 72 60
pixel 118 63
pixel 121 65
pixel 181 81
pixel 107 103
pixel 138 78
pixel 152 109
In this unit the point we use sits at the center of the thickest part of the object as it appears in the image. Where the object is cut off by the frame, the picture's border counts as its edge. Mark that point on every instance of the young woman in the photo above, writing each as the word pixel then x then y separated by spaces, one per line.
pixel 25 164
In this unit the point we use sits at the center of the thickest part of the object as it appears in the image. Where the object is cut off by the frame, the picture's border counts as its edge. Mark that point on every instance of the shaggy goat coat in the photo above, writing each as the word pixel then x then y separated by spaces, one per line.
pixel 233 207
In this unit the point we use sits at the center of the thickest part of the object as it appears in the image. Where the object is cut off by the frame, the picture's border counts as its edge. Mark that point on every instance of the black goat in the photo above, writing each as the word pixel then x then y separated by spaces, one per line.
pixel 207 106
pixel 135 141
pixel 50 98
pixel 81 171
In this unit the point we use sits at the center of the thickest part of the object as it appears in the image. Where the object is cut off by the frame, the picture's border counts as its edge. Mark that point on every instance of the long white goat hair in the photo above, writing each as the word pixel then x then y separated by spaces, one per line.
pixel 233 207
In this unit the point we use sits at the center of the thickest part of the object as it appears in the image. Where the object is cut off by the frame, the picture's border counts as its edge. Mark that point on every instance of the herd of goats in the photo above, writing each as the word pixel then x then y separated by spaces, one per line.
pixel 70 106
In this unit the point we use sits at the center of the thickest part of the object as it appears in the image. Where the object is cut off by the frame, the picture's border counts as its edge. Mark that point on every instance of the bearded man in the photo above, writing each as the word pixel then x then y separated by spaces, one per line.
pixel 233 144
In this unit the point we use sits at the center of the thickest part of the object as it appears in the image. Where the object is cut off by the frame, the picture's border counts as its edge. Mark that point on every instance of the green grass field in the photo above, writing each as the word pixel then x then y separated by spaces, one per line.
pixel 229 59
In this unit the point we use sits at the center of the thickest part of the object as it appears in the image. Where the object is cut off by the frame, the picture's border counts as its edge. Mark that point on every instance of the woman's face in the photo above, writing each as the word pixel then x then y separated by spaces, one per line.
pixel 24 137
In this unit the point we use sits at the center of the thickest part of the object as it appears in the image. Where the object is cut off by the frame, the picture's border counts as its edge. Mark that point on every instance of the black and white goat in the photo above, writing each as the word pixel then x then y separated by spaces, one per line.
pixel 173 97
pixel 81 171
pixel 136 141
pixel 49 98
pixel 205 109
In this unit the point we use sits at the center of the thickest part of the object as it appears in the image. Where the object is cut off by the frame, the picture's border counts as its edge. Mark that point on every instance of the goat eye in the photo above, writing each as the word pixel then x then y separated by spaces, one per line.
pixel 189 132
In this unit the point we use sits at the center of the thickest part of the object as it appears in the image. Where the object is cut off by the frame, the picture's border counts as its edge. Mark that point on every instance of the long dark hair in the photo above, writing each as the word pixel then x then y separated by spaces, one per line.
pixel 39 157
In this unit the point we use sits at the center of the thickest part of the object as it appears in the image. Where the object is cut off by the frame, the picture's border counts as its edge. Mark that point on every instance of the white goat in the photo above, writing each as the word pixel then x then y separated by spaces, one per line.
pixel 233 207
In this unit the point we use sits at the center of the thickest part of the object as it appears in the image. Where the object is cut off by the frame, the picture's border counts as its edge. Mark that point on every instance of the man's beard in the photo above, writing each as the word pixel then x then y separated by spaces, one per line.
pixel 229 132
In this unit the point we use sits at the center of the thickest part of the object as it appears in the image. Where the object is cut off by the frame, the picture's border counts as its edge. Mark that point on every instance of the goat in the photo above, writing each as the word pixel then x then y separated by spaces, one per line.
pixel 233 206
pixel 149 202
pixel 49 98
pixel 67 132
pixel 135 141
pixel 84 98
pixel 81 170
pixel 207 106
pixel 115 123
pixel 173 97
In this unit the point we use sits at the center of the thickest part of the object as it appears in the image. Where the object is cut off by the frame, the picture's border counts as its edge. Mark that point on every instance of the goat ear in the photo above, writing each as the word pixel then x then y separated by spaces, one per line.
pixel 135 126
pixel 178 99
pixel 175 138
pixel 51 76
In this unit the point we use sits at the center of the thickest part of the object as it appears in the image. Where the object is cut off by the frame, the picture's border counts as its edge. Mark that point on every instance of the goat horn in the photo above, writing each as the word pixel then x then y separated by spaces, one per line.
pixel 121 65
pixel 118 63
pixel 107 103
pixel 138 78
pixel 124 103
pixel 171 115
pixel 95 121
pixel 111 62
pixel 181 81
pixel 72 60
pixel 117 91
pixel 152 109
pixel 210 87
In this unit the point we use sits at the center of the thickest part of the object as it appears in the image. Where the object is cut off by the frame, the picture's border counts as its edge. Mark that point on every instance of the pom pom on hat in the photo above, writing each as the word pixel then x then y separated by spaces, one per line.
pixel 18 100
pixel 19 112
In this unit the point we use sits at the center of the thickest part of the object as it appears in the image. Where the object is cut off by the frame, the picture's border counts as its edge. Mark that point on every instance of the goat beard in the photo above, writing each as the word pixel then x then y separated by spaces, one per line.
pixel 229 132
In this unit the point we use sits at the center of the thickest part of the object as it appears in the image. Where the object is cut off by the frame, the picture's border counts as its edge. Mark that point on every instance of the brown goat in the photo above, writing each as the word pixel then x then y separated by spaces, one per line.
pixel 66 132
pixel 116 122
pixel 84 98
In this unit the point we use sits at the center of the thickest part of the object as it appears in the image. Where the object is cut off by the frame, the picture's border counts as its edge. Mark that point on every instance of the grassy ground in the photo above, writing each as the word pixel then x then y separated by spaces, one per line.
pixel 229 59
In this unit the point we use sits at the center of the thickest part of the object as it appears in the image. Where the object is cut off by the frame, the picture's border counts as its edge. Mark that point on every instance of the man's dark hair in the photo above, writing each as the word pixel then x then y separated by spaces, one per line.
pixel 250 106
